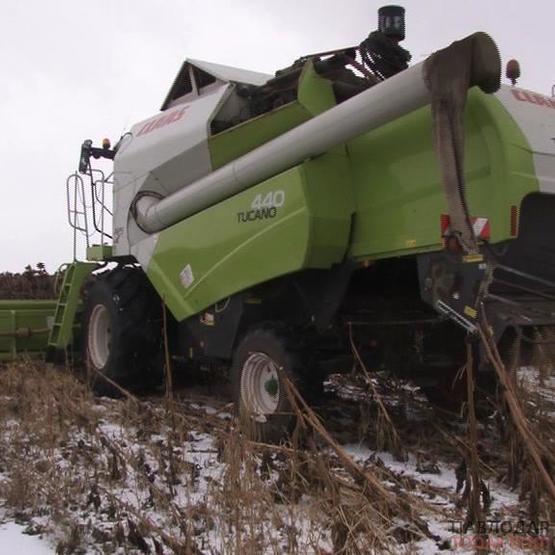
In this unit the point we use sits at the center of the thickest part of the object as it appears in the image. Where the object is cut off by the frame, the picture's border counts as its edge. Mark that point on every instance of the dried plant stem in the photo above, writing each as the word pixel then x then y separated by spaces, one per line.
pixel 475 507
pixel 377 396
pixel 170 541
pixel 167 365
pixel 530 441
pixel 114 384
pixel 371 485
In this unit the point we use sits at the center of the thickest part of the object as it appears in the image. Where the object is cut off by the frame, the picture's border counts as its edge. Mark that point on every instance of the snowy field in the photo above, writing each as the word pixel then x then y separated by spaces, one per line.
pixel 82 475
pixel 15 539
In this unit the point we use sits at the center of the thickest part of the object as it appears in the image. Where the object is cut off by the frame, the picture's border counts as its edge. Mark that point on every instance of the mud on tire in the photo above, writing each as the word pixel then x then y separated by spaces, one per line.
pixel 121 331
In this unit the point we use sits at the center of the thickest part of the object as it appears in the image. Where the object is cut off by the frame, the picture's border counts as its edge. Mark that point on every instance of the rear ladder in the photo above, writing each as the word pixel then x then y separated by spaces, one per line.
pixel 68 302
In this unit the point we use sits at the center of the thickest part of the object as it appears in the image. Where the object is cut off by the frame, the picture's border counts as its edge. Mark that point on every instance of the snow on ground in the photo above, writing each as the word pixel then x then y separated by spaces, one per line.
pixel 106 476
pixel 14 539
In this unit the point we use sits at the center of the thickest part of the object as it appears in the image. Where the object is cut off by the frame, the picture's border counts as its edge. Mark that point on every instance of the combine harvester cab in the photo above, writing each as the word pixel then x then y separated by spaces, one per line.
pixel 271 223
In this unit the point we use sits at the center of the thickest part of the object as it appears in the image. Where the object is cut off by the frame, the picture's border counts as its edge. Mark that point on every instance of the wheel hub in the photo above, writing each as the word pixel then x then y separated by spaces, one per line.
pixel 99 336
pixel 260 389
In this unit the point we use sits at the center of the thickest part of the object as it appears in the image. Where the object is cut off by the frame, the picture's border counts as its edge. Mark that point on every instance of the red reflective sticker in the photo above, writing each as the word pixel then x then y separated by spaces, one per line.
pixel 480 225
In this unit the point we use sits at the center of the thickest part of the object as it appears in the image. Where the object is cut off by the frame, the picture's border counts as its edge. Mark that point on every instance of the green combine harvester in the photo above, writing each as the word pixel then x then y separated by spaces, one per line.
pixel 271 221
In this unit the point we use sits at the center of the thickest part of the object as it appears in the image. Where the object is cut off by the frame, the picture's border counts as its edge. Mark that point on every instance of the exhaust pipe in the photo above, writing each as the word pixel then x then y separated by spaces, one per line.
pixel 395 97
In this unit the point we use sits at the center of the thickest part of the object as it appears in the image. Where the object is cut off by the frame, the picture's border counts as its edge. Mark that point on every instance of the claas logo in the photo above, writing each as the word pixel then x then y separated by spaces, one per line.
pixel 533 98
pixel 162 121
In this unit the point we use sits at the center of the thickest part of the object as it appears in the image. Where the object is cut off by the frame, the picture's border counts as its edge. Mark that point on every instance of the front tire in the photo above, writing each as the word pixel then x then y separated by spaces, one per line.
pixel 264 357
pixel 121 331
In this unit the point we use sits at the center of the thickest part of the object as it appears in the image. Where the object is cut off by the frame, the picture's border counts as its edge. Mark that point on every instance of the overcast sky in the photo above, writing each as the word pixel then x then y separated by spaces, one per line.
pixel 73 70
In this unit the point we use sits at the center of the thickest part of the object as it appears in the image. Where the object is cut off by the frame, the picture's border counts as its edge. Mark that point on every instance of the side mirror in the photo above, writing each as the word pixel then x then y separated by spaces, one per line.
pixel 85 156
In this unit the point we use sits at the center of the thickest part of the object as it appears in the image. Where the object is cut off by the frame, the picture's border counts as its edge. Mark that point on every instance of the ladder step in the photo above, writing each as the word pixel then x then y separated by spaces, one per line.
pixel 68 302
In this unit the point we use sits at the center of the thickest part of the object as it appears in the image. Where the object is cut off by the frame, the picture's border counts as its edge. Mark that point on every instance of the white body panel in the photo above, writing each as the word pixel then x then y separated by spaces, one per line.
pixel 535 115
pixel 168 151
pixel 162 154
pixel 233 74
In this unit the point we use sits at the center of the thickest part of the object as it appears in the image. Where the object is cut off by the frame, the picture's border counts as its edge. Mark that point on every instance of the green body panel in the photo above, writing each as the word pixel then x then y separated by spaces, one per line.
pixel 68 302
pixel 397 187
pixel 236 141
pixel 310 229
pixel 379 196
pixel 314 95
pixel 24 327
pixel 30 327
pixel 99 253
pixel 314 92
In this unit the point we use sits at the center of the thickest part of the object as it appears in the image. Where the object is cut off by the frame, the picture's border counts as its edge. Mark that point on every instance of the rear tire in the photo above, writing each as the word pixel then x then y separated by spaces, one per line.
pixel 121 331
pixel 265 355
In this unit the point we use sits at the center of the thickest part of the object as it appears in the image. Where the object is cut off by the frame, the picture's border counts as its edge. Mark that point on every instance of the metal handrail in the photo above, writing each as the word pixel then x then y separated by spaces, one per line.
pixel 77 209
pixel 100 200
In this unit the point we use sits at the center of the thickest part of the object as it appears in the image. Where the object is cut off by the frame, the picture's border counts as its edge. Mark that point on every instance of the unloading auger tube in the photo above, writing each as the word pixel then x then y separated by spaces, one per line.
pixel 399 95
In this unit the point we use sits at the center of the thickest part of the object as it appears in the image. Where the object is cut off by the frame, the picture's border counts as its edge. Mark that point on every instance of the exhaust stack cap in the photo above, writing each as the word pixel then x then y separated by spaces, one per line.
pixel 391 22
